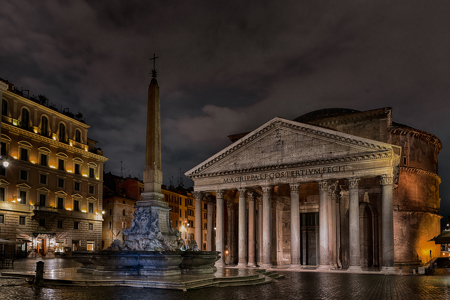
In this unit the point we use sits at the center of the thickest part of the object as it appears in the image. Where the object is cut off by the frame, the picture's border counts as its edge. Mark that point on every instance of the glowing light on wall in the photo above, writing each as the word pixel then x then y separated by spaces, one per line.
pixel 83 210
pixel 53 167
pixel 70 171
pixel 68 208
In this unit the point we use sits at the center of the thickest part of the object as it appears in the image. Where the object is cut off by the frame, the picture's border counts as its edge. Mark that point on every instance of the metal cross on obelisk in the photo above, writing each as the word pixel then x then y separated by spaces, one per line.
pixel 154 71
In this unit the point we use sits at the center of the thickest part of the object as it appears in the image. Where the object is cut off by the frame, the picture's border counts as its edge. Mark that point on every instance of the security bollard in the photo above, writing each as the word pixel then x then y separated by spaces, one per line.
pixel 39 279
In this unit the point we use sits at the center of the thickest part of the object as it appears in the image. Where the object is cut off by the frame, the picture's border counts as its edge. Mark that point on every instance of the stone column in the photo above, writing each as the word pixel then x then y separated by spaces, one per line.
pixel 220 227
pixel 209 223
pixel 353 220
pixel 242 262
pixel 251 229
pixel 332 225
pixel 295 226
pixel 230 208
pixel 260 230
pixel 267 243
pixel 198 218
pixel 324 260
pixel 387 226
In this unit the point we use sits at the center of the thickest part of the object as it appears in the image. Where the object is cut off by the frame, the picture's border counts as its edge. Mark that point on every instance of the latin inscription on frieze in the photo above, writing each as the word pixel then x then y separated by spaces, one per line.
pixel 286 174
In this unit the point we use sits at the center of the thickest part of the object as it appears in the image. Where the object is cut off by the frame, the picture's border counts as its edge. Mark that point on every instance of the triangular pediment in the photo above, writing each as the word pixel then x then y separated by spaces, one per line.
pixel 282 142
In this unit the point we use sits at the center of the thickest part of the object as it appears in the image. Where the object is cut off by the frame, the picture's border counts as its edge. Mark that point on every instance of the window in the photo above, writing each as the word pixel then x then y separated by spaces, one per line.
pixel 91 172
pixel 77 169
pixel 78 136
pixel 44 159
pixel 2 170
pixel 25 122
pixel 76 205
pixel 76 225
pixel 205 206
pixel 91 207
pixel 42 199
pixel 2 194
pixel 62 132
pixel 123 212
pixel 44 126
pixel 61 183
pixel 4 107
pixel 91 226
pixel 61 164
pixel 60 203
pixel 110 212
pixel 23 197
pixel 24 154
pixel 92 190
pixel 42 222
pixel 404 160
pixel 60 224
pixel 23 175
pixel 109 225
pixel 4 149
pixel 204 226
pixel 2 219
pixel 77 186
pixel 43 178
pixel 21 220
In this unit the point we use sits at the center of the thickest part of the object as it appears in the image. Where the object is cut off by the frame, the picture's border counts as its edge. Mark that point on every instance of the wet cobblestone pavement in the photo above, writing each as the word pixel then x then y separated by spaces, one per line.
pixel 303 285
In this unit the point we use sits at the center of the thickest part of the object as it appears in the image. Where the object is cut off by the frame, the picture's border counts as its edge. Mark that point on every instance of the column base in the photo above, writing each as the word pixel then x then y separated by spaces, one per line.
pixel 251 264
pixel 389 270
pixel 354 269
pixel 266 266
pixel 295 266
pixel 323 268
pixel 241 265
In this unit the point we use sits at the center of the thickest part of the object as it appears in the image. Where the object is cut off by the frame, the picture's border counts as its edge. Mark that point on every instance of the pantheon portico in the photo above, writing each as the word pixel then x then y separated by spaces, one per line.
pixel 300 194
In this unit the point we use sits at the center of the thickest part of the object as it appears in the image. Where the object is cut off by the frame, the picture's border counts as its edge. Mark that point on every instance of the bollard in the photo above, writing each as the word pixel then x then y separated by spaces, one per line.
pixel 39 279
pixel 414 271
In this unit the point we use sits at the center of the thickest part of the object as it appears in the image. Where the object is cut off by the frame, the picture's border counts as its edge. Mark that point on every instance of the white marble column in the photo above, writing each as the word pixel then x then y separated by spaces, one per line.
pixel 324 259
pixel 220 226
pixel 387 226
pixel 332 224
pixel 242 262
pixel 231 244
pixel 251 229
pixel 209 223
pixel 260 230
pixel 295 226
pixel 267 250
pixel 353 220
pixel 198 218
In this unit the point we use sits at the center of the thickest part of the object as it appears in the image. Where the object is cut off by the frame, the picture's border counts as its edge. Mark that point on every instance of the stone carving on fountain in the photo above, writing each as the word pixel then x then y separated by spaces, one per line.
pixel 145 233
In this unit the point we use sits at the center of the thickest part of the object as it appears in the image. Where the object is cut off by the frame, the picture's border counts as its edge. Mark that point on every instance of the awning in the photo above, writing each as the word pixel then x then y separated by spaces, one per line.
pixel 9 242
pixel 443 238
pixel 22 236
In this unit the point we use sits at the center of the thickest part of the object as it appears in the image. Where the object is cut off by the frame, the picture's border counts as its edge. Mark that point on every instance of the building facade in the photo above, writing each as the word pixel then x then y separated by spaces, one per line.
pixel 335 188
pixel 121 195
pixel 51 190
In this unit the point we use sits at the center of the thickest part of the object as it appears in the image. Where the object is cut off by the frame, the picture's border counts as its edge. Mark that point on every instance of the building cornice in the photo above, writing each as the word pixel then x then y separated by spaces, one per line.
pixel 428 137
pixel 19 131
pixel 420 171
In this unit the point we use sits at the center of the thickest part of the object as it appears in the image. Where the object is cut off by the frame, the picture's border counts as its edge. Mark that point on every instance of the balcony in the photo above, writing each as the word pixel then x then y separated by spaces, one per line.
pixel 14 206
pixel 44 209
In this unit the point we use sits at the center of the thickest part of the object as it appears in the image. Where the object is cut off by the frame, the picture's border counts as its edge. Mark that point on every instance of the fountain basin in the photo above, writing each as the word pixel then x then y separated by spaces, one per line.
pixel 146 263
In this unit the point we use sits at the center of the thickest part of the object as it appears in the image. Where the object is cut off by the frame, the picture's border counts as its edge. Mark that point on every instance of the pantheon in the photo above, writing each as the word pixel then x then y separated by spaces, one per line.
pixel 332 189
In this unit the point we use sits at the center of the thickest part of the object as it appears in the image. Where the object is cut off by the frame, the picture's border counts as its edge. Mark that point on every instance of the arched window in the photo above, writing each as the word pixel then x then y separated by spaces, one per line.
pixel 62 132
pixel 44 126
pixel 25 121
pixel 4 107
pixel 78 135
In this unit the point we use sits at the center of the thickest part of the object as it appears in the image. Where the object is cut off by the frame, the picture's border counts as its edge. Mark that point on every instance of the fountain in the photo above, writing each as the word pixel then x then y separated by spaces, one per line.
pixel 151 247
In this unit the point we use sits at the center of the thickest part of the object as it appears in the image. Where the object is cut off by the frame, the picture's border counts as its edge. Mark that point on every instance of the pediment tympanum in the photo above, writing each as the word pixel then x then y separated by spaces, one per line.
pixel 288 145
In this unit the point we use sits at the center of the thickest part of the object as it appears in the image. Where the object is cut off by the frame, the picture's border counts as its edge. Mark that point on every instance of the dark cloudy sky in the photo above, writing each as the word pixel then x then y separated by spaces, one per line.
pixel 228 68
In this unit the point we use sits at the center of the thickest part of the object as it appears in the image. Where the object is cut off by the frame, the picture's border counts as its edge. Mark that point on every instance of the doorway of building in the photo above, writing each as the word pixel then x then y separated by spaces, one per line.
pixel 309 239
pixel 75 245
pixel 368 235
pixel 42 246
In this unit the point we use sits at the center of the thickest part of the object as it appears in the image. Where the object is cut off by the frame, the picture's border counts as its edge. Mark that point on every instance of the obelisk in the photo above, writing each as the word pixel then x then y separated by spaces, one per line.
pixel 152 198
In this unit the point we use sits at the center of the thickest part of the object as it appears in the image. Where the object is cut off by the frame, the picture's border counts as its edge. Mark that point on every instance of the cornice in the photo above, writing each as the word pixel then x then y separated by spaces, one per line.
pixel 340 160
pixel 343 119
pixel 19 131
pixel 428 137
pixel 277 123
pixel 420 171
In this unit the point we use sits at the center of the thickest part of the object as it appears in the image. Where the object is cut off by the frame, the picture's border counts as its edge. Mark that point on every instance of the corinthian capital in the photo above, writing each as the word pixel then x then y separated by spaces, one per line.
pixel 323 185
pixel 353 183
pixel 294 187
pixel 242 191
pixel 387 179
pixel 251 195
pixel 220 194
pixel 266 189
pixel 198 195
